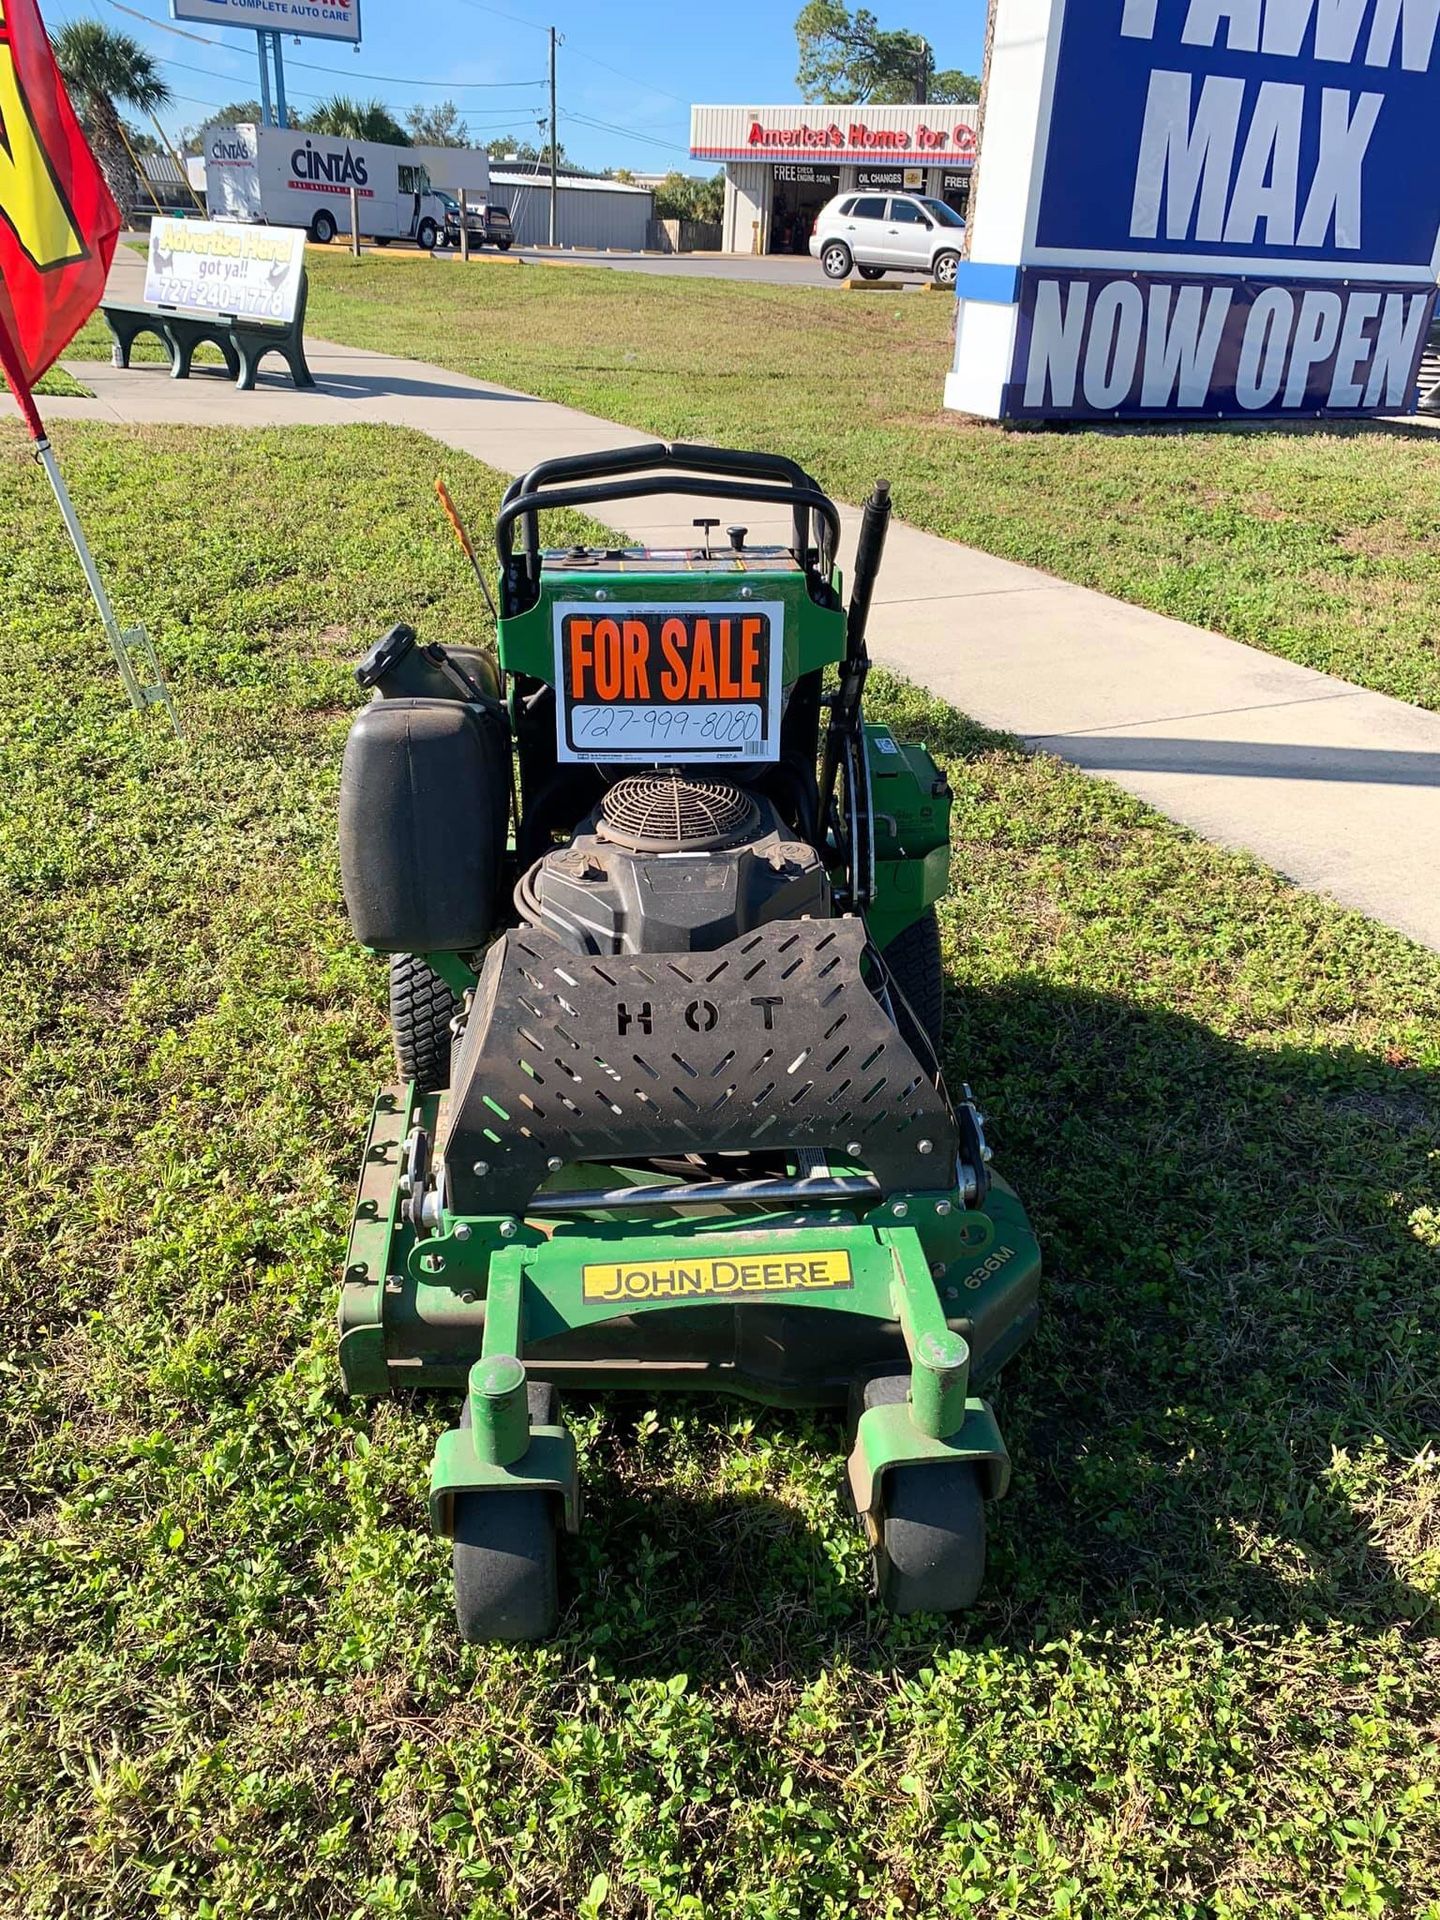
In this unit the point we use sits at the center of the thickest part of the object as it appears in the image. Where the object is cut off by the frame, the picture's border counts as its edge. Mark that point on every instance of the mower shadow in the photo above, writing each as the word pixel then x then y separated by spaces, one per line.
pixel 1233 1293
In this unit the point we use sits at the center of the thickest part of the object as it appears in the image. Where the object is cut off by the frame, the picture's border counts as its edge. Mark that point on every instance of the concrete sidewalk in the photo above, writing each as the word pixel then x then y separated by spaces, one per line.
pixel 1336 787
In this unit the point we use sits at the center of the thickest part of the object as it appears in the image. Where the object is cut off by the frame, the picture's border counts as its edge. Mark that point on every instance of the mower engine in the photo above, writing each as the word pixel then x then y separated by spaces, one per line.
pixel 671 863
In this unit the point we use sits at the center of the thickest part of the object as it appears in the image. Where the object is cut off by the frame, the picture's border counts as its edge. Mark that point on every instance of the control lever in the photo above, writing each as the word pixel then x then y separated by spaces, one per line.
pixel 737 538
pixel 705 526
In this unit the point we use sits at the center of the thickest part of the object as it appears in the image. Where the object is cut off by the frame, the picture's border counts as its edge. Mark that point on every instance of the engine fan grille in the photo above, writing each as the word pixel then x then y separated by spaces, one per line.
pixel 665 812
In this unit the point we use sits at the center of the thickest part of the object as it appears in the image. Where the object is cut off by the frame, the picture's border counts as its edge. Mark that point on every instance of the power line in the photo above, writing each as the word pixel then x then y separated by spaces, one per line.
pixel 626 133
pixel 633 80
pixel 480 6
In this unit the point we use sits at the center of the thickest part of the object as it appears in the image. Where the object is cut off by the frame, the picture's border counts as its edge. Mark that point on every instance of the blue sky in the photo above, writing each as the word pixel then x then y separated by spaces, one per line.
pixel 634 66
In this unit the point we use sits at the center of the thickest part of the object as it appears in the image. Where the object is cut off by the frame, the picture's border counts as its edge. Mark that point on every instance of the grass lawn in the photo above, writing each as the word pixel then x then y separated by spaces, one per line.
pixel 56 382
pixel 1204 1678
pixel 1318 546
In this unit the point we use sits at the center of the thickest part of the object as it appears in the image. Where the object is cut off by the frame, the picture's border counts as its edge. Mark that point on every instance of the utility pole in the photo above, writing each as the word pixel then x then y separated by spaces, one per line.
pixel 922 73
pixel 554 140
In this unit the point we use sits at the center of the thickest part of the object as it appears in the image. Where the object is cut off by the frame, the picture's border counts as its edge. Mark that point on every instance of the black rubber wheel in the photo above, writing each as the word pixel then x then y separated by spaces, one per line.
pixel 872 273
pixel 426 234
pixel 421 1009
pixel 323 228
pixel 503 245
pixel 837 260
pixel 382 240
pixel 930 1555
pixel 913 957
pixel 944 269
pixel 504 1553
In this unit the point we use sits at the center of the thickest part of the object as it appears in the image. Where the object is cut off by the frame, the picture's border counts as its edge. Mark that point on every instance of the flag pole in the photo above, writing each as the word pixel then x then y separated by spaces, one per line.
pixel 122 641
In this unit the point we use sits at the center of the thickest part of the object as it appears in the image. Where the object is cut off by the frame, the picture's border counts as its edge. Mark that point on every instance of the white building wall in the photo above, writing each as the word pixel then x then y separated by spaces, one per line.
pixel 747 207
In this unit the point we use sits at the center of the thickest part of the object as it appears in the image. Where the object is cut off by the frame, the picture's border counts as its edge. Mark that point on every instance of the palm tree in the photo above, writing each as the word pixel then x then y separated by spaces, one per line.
pixel 348 119
pixel 105 71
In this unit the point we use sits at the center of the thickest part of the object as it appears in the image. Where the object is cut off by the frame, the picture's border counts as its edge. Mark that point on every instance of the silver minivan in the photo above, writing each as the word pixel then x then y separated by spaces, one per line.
pixel 879 233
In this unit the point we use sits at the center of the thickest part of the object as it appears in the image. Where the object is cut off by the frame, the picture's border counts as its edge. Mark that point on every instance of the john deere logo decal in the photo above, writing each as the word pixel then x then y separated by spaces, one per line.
pixel 708 1279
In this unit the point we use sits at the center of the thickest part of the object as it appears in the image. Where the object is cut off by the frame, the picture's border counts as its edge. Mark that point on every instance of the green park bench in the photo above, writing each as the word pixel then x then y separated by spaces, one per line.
pixel 242 339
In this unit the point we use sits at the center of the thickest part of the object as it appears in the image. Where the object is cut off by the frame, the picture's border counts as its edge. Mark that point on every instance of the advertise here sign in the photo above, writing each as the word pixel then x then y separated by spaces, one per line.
pixel 1250 226
pixel 252 271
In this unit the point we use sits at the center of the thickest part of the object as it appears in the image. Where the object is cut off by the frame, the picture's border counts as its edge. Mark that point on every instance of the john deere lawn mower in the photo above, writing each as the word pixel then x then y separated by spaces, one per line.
pixel 665 986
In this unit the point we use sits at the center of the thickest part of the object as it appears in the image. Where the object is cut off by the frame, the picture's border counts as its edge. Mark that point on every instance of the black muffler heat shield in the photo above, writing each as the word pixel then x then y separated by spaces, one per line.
pixel 774 1041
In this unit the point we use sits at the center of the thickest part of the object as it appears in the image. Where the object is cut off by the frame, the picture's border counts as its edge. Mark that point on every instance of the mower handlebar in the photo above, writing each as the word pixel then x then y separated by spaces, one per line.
pixel 766 478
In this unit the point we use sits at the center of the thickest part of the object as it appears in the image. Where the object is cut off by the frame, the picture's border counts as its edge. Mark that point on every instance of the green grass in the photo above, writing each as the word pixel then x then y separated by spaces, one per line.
pixel 56 382
pixel 1203 1679
pixel 1315 545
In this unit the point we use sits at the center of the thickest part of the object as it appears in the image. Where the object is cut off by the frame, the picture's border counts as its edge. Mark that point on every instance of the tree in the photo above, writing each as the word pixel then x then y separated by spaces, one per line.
pixel 140 142
pixel 104 71
pixel 680 196
pixel 348 119
pixel 848 57
pixel 236 113
pixel 508 147
pixel 439 126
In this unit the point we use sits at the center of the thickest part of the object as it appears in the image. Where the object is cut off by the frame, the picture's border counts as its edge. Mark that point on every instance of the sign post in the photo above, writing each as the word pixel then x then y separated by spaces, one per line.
pixel 1193 209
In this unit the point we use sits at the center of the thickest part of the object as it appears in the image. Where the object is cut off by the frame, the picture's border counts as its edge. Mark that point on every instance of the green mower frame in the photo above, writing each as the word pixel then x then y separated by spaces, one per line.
pixel 891 1272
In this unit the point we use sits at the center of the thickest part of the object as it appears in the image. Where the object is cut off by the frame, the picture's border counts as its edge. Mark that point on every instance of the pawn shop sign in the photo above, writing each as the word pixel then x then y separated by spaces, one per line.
pixel 58 222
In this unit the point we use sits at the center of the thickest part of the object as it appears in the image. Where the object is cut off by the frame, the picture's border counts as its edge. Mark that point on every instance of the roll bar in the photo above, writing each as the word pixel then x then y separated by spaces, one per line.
pixel 581 479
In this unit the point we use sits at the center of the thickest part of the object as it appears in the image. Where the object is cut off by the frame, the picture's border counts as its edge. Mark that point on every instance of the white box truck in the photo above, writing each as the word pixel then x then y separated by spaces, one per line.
pixel 288 178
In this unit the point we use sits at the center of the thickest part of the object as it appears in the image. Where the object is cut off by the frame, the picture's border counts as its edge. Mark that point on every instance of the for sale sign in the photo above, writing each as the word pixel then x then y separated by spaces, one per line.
pixel 670 684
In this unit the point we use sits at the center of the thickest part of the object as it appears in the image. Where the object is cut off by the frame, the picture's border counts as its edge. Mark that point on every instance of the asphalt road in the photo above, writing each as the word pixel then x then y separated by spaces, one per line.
pixel 774 269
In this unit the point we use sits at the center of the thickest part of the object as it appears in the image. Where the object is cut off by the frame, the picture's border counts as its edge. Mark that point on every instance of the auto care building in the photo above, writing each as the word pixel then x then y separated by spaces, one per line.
pixel 783 163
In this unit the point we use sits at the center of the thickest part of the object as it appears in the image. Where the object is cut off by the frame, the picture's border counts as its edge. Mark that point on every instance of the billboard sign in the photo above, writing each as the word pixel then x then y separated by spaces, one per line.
pixel 1248 228
pixel 320 19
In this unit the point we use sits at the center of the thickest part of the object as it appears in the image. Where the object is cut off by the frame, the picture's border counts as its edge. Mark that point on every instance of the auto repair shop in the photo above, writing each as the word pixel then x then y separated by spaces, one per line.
pixel 783 163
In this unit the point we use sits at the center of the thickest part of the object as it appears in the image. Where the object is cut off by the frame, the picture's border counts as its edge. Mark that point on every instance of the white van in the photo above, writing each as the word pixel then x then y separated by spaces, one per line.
pixel 288 178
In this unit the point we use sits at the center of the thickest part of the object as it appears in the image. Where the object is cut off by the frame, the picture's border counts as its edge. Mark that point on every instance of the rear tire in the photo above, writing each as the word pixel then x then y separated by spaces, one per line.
pixel 913 957
pixel 421 1009
pixel 323 228
pixel 837 260
pixel 872 273
pixel 504 1554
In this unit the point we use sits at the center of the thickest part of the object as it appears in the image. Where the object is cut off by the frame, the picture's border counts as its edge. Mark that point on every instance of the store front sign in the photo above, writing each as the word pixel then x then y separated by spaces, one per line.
pixel 1249 228
pixel 913 135
pixel 896 179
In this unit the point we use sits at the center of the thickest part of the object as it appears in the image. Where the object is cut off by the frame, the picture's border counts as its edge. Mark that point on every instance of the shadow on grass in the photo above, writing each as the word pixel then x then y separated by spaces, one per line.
pixel 1239 1350
pixel 1233 1294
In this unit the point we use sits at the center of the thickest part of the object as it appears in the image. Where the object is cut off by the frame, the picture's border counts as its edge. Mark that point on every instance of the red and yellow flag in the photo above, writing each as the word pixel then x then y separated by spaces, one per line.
pixel 57 220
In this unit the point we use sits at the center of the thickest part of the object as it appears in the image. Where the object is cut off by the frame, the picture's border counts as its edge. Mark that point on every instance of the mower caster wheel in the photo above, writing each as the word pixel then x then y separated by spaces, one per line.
pixel 929 1532
pixel 930 1554
pixel 504 1555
